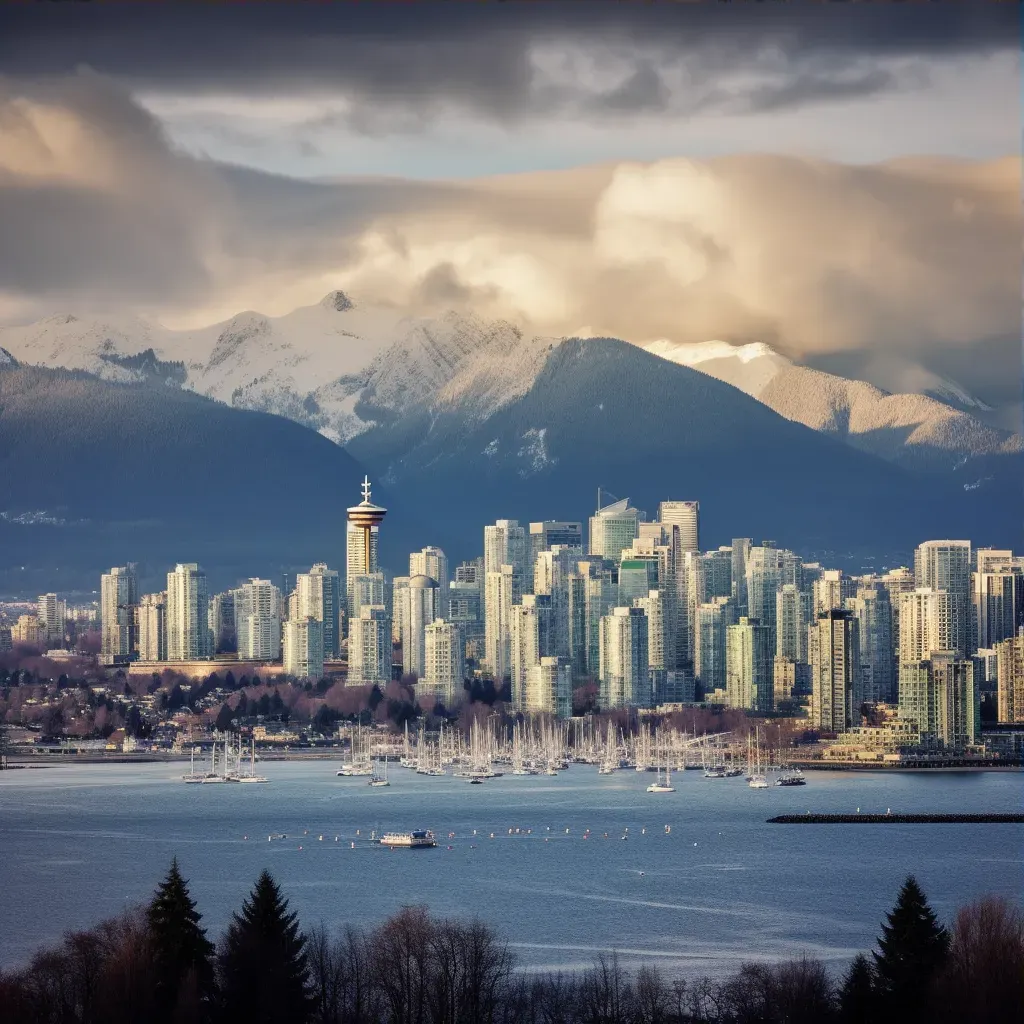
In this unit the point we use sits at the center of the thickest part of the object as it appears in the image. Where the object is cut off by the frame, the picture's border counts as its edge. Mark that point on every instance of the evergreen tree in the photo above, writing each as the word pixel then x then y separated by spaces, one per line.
pixel 856 996
pixel 263 963
pixel 181 949
pixel 911 949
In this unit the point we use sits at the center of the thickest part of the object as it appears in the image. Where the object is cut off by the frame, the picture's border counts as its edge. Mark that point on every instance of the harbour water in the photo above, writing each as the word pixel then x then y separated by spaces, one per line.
pixel 78 843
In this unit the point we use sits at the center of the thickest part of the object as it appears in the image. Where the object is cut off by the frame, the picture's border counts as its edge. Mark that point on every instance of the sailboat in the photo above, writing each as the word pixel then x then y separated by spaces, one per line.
pixel 193 776
pixel 662 787
pixel 757 779
pixel 251 775
pixel 380 780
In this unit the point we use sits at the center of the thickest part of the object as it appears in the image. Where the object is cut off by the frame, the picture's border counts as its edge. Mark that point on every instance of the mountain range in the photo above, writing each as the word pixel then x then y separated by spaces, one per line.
pixel 341 368
pixel 462 420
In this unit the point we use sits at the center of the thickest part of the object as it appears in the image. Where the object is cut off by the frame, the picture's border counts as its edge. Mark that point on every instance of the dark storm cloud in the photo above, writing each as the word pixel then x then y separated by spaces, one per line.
pixel 484 56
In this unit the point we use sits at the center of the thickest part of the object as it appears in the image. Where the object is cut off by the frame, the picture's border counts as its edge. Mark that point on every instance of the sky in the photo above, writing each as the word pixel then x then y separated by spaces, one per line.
pixel 839 180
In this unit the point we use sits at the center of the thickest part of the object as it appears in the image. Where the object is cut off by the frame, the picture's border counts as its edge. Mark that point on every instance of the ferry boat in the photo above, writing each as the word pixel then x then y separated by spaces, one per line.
pixel 416 840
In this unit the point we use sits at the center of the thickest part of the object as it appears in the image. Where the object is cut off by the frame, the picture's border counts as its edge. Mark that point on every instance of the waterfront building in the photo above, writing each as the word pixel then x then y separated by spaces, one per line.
pixel 833 643
pixel 873 609
pixel 1010 679
pixel 940 695
pixel 399 608
pixel 501 593
pixel 713 620
pixel 549 687
pixel 118 597
pixel 613 529
pixel 749 657
pixel 444 663
pixel 362 538
pixel 464 610
pixel 152 627
pixel 258 621
pixel 303 642
pixel 318 596
pixel 188 626
pixel 433 562
pixel 624 671
pixel 685 515
pixel 530 628
pixel 369 648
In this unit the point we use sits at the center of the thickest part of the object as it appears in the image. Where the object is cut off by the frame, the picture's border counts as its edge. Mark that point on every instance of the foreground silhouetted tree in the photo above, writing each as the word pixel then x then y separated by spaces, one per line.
pixel 182 954
pixel 263 964
pixel 856 997
pixel 911 948
pixel 983 977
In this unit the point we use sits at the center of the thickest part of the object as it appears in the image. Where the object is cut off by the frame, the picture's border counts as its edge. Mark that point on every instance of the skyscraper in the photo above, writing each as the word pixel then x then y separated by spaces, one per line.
pixel 940 694
pixel 613 528
pixel 945 565
pixel 740 553
pixel 188 630
pixel 792 617
pixel 432 562
pixel 51 614
pixel 1010 678
pixel 711 631
pixel 834 650
pixel 500 595
pixel 998 604
pixel 303 648
pixel 361 538
pixel 685 515
pixel 444 662
pixel 367 589
pixel 749 657
pixel 118 597
pixel 369 648
pixel 624 671
pixel 551 575
pixel 505 544
pixel 873 609
pixel 258 620
pixel 654 607
pixel 318 595
pixel 152 625
pixel 928 622
pixel 424 607
pixel 222 622
pixel 832 589
pixel 530 639
pixel 546 535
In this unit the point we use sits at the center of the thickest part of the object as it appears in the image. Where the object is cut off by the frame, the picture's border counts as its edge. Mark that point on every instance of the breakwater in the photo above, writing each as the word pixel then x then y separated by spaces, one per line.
pixel 897 819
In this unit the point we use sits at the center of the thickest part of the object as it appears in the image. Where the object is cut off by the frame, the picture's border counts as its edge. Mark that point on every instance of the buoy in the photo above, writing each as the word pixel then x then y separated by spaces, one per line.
pixel 694 844
pixel 321 839
pixel 641 874
pixel 353 846
pixel 357 831
pixel 300 847
pixel 449 847
pixel 492 835
pixel 245 837
pixel 566 831
pixel 643 831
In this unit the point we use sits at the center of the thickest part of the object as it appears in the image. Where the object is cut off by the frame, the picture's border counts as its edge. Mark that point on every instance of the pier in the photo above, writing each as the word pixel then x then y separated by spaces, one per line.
pixel 898 819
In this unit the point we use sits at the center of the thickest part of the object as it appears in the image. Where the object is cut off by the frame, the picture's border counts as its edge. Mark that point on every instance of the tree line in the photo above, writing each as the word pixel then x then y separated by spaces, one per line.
pixel 156 964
